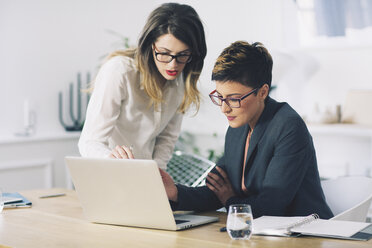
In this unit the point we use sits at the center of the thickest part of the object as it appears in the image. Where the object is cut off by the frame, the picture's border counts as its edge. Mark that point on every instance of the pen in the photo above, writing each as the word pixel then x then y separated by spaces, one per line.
pixel 52 195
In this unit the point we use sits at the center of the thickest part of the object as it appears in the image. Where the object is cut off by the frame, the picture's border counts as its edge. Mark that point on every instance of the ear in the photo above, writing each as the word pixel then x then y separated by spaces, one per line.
pixel 264 91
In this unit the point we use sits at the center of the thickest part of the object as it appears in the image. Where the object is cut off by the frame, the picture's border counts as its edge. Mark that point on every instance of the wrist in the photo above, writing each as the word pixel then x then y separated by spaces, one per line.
pixel 174 196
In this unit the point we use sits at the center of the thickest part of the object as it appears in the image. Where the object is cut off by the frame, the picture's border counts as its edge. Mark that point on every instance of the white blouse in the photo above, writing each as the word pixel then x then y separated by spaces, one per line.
pixel 118 113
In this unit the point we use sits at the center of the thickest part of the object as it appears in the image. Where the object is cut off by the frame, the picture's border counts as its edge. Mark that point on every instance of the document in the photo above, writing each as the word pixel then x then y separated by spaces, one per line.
pixel 311 226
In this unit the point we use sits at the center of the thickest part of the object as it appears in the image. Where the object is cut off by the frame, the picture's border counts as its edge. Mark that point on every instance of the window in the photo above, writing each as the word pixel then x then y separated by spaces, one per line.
pixel 344 21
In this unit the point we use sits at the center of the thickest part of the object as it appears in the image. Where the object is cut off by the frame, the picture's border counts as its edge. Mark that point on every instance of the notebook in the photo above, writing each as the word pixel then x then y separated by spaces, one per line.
pixel 311 226
pixel 128 192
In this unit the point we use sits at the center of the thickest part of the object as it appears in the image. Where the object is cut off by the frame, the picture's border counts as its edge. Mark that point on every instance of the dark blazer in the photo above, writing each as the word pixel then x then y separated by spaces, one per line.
pixel 281 172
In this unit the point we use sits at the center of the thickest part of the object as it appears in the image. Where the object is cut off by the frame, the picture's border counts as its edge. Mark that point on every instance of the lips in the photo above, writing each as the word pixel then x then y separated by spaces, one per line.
pixel 171 72
pixel 230 118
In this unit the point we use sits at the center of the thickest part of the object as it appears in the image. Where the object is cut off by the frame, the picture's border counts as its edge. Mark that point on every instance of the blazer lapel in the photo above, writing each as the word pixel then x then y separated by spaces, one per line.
pixel 262 123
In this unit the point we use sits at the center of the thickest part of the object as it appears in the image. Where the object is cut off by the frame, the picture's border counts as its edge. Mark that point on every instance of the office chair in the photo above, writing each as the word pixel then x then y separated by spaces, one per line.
pixel 348 197
pixel 189 169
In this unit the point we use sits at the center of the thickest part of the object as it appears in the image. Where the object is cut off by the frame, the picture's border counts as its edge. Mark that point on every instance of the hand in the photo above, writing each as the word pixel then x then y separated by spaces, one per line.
pixel 169 185
pixel 221 186
pixel 122 152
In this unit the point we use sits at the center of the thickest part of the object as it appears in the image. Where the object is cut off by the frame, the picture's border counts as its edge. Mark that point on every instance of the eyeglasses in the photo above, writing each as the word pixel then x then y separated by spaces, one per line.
pixel 167 58
pixel 230 101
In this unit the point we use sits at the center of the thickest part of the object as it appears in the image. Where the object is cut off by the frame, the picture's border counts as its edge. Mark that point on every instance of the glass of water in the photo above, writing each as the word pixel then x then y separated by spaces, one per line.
pixel 239 221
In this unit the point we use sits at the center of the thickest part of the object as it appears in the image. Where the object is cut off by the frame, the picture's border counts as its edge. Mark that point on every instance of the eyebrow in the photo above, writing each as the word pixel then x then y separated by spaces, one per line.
pixel 233 94
pixel 167 50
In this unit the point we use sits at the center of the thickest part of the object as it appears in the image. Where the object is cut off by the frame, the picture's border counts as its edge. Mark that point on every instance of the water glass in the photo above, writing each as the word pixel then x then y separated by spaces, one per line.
pixel 239 221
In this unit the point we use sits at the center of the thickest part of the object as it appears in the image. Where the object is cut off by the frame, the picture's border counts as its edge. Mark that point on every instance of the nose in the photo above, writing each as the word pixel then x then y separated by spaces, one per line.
pixel 174 62
pixel 225 108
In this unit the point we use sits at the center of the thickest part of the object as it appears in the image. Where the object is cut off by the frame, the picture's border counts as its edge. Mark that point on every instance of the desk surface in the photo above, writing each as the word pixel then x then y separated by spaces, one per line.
pixel 59 222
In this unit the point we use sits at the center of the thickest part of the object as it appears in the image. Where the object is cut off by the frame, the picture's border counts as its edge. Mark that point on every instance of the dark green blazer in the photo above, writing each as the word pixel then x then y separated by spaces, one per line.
pixel 281 172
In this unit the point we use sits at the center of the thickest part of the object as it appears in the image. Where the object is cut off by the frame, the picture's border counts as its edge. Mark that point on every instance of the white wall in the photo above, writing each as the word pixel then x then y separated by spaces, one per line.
pixel 340 69
pixel 44 44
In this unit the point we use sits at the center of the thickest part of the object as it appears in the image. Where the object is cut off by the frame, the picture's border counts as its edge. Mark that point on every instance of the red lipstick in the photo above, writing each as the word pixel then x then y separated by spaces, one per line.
pixel 171 72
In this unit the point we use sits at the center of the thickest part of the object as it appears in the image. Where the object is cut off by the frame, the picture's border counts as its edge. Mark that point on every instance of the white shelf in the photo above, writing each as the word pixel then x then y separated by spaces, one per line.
pixel 38 137
pixel 341 129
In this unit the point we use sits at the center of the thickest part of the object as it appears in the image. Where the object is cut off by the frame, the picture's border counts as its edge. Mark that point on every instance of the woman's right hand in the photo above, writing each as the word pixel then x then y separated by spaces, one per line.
pixel 122 152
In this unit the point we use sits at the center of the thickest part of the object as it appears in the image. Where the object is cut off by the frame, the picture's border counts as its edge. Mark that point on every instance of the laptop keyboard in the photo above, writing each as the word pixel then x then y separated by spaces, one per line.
pixel 187 169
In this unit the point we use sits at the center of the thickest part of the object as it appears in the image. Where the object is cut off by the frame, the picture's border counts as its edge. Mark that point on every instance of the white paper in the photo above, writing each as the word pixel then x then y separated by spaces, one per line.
pixel 274 225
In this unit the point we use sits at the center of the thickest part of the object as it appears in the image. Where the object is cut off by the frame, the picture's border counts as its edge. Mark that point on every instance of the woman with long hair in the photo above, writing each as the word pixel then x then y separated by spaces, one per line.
pixel 141 94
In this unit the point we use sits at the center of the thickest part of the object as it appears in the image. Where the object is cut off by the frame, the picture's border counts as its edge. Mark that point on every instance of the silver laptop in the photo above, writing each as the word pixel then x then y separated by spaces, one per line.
pixel 128 192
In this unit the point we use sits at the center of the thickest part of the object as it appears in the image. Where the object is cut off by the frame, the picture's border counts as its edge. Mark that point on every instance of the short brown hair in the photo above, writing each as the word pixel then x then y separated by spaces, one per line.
pixel 248 64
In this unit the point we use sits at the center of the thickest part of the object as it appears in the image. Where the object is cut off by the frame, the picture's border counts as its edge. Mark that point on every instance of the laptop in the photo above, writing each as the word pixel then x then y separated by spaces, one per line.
pixel 128 192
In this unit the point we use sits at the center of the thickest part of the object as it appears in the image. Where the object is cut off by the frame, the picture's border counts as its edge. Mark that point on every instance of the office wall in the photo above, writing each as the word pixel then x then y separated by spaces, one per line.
pixel 44 44
pixel 341 69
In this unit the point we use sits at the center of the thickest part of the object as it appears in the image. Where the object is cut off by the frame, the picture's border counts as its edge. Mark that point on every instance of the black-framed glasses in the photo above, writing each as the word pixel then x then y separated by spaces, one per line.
pixel 232 102
pixel 167 58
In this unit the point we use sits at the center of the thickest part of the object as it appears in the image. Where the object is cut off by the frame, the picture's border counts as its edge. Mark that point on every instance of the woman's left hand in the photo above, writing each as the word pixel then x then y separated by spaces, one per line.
pixel 220 185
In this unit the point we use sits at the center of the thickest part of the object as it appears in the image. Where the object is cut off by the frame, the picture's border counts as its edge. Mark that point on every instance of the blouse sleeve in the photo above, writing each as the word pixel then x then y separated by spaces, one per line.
pixel 103 110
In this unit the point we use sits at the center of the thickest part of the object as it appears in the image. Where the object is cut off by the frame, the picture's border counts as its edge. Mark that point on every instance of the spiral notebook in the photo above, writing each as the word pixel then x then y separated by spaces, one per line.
pixel 311 226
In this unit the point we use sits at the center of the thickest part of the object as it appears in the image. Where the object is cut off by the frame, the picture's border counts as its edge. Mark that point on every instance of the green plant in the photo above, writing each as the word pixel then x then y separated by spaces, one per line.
pixel 187 143
pixel 122 43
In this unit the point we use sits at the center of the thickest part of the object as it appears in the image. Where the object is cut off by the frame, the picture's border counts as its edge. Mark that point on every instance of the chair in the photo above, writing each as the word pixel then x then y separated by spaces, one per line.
pixel 348 197
pixel 189 169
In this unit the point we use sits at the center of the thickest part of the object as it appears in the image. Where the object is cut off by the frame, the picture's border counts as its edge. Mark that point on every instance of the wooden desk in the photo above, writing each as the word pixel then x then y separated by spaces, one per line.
pixel 59 222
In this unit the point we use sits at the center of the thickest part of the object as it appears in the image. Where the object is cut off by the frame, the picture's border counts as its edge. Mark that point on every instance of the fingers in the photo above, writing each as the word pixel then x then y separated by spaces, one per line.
pixel 217 182
pixel 218 179
pixel 122 152
pixel 115 153
pixel 128 151
pixel 223 174
pixel 211 187
pixel 220 185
